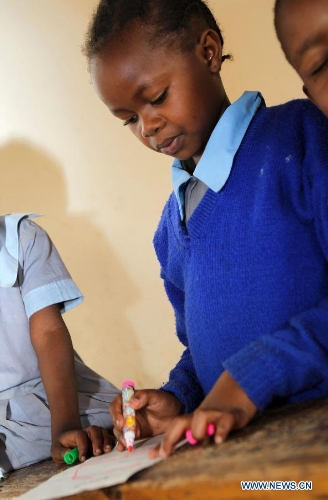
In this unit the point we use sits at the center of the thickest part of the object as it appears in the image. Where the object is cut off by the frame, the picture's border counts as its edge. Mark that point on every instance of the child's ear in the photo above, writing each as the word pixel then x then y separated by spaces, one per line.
pixel 307 93
pixel 211 48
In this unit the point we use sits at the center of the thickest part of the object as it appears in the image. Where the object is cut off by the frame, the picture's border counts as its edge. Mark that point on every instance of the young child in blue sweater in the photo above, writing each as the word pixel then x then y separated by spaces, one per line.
pixel 243 238
pixel 302 28
pixel 50 401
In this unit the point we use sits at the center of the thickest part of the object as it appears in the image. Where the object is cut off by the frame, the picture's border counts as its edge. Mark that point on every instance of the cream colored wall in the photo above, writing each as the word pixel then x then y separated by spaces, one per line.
pixel 63 155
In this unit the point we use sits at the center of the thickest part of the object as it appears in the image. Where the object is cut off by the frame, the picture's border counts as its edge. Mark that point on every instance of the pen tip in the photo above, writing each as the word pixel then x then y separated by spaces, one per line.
pixel 130 448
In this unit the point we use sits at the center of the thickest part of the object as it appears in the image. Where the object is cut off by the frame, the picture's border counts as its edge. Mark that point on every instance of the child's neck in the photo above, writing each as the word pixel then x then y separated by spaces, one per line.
pixel 190 164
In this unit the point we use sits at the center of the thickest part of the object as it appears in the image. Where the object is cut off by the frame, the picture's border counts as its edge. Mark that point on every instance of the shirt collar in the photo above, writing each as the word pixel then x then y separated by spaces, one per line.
pixel 215 165
pixel 9 247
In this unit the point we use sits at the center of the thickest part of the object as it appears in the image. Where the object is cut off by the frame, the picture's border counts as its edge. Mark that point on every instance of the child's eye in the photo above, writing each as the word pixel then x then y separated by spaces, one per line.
pixel 160 99
pixel 130 121
pixel 320 68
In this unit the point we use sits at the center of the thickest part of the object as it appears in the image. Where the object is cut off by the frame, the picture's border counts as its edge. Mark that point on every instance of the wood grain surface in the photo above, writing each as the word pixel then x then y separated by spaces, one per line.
pixel 289 443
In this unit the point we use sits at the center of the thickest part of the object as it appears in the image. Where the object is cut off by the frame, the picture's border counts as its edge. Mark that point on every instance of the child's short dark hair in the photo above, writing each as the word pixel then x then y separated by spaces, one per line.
pixel 277 4
pixel 165 21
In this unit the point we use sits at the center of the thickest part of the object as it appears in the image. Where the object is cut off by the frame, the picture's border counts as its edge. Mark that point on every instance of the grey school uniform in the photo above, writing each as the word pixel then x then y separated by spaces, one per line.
pixel 33 276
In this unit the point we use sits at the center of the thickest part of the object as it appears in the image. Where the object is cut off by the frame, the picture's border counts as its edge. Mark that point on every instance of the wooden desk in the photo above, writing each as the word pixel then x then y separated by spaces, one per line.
pixel 290 443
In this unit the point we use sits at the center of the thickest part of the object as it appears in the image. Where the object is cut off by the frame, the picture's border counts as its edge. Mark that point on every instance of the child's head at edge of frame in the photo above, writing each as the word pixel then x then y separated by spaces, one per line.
pixel 156 66
pixel 302 29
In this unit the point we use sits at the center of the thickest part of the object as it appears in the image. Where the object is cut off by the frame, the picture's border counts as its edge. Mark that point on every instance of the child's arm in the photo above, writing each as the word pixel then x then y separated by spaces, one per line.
pixel 53 346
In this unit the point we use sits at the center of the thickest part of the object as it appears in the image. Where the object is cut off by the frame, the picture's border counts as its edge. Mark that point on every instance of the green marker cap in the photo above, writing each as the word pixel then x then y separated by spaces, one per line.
pixel 71 456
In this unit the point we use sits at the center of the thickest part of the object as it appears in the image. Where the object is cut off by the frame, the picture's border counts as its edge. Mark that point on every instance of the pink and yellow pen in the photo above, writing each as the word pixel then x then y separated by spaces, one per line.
pixel 129 429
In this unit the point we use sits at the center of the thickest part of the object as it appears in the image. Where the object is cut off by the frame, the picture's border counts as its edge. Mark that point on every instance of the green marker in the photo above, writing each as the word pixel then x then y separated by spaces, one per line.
pixel 71 456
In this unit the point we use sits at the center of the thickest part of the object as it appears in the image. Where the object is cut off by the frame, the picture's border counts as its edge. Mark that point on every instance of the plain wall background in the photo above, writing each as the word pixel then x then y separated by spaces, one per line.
pixel 101 192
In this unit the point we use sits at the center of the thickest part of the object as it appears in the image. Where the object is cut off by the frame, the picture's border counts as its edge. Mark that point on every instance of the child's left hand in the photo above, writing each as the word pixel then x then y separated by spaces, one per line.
pixel 92 440
pixel 227 406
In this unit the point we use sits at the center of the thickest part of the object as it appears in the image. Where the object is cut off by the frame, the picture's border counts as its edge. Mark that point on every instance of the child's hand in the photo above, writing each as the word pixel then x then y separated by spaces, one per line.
pixel 93 440
pixel 154 412
pixel 227 406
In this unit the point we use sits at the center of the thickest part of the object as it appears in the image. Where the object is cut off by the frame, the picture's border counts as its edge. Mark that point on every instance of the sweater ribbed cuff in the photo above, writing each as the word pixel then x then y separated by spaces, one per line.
pixel 260 380
pixel 190 396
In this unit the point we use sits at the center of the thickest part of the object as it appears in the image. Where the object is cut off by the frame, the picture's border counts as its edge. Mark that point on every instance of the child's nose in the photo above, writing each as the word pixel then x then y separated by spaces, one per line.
pixel 150 125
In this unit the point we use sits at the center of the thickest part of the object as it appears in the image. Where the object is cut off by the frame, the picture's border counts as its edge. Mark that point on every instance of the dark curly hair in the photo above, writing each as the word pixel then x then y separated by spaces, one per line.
pixel 276 5
pixel 166 22
pixel 276 8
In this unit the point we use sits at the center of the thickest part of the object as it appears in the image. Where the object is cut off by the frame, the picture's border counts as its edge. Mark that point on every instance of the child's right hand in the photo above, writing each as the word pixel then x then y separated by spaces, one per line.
pixel 92 440
pixel 155 410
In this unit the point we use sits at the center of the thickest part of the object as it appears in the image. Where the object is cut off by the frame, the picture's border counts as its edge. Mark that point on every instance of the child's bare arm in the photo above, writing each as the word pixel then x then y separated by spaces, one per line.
pixel 53 346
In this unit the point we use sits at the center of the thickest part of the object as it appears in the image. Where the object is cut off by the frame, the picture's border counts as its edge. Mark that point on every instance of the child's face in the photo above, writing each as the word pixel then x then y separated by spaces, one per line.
pixel 171 100
pixel 302 28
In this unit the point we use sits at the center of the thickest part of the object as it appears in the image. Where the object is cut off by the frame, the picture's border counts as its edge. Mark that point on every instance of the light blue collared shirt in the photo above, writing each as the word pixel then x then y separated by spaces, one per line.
pixel 39 285
pixel 9 247
pixel 32 277
pixel 220 149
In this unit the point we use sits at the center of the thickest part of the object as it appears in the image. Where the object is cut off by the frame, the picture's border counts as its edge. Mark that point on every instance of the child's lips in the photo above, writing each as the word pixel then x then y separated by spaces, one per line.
pixel 170 146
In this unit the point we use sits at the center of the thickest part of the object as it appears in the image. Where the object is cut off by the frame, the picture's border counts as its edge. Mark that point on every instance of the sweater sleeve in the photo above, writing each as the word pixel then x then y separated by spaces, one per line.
pixel 294 360
pixel 291 361
pixel 183 381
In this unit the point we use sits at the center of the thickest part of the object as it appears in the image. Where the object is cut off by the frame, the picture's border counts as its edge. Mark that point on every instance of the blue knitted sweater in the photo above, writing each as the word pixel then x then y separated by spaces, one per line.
pixel 247 276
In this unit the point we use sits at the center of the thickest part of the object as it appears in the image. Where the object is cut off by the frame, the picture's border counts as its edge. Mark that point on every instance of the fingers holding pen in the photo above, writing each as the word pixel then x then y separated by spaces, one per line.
pixel 139 402
pixel 211 425
pixel 201 426
pixel 124 417
pixel 69 440
pixel 173 435
pixel 154 409
pixel 196 427
pixel 91 441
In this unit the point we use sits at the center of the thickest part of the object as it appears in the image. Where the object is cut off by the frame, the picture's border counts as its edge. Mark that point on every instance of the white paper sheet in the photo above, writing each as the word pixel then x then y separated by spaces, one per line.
pixel 96 472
